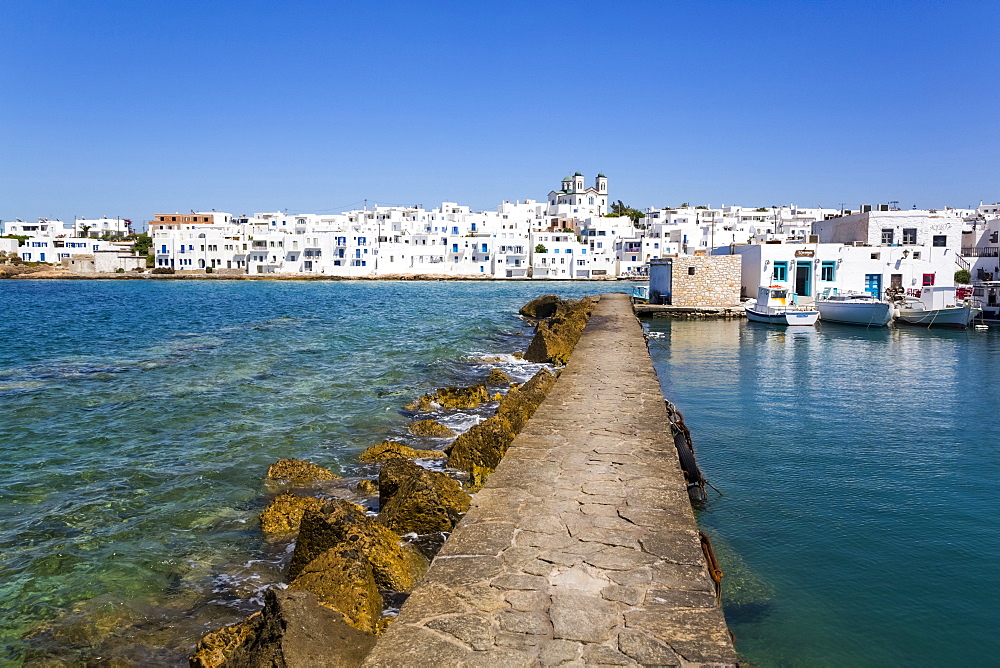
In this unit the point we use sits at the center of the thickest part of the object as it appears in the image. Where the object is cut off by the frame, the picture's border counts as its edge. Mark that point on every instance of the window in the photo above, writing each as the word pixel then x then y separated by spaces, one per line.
pixel 909 235
pixel 939 240
pixel 780 271
pixel 828 271
pixel 928 279
pixel 886 236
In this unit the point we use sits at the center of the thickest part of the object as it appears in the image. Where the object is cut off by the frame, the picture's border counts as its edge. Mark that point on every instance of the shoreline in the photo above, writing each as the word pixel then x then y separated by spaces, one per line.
pixel 55 275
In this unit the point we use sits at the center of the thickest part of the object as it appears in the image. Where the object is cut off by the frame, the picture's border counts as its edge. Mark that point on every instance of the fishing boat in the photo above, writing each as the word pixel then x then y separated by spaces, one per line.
pixel 640 294
pixel 772 306
pixel 936 307
pixel 855 309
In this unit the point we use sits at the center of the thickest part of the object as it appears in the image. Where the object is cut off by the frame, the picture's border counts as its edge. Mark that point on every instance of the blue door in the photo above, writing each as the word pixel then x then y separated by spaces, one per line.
pixel 873 284
pixel 803 279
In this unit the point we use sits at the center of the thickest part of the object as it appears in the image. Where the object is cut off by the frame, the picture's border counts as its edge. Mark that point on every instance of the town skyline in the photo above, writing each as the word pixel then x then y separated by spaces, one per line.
pixel 125 110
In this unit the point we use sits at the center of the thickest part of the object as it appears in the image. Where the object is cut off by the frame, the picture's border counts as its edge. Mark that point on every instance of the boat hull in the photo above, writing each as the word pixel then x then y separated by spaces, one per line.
pixel 870 314
pixel 958 316
pixel 786 318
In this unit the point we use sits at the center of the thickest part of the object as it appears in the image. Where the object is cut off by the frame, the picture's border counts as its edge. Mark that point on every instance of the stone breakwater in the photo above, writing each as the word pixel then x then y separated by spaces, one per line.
pixel 579 545
pixel 581 548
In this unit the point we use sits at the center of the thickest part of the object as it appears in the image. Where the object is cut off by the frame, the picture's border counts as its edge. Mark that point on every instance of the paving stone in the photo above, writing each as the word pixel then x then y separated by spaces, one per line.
pixel 619 559
pixel 646 650
pixel 537 567
pixel 521 581
pixel 542 540
pixel 473 630
pixel 501 657
pixel 680 598
pixel 627 595
pixel 527 600
pixel 458 571
pixel 582 618
pixel 480 538
pixel 559 652
pixel 579 579
pixel 524 621
pixel 603 655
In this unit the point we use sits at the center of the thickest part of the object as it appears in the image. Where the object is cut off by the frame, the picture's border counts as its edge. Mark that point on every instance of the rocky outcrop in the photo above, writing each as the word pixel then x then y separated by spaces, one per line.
pixel 413 499
pixel 292 630
pixel 482 445
pixel 387 450
pixel 556 337
pixel 518 405
pixel 496 378
pixel 451 397
pixel 367 487
pixel 541 307
pixel 282 516
pixel 342 579
pixel 342 525
pixel 298 472
pixel 431 428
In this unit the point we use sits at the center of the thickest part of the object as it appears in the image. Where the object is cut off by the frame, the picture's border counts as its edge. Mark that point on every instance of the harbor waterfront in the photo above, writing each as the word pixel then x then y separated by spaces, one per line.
pixel 139 417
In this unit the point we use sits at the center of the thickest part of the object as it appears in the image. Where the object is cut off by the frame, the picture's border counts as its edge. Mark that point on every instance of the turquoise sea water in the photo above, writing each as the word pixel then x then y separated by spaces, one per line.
pixel 860 471
pixel 137 419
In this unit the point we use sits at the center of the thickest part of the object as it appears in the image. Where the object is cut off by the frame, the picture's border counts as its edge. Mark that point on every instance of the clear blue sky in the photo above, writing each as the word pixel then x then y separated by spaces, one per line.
pixel 130 108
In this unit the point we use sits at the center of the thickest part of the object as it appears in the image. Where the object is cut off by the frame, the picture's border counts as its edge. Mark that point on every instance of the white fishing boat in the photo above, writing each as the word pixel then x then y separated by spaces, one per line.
pixel 936 307
pixel 855 309
pixel 773 306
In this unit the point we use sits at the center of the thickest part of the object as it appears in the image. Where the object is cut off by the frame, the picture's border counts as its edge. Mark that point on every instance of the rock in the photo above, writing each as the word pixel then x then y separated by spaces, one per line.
pixel 483 445
pixel 298 471
pixel 387 450
pixel 292 630
pixel 541 307
pixel 431 428
pixel 519 405
pixel 343 580
pixel 452 397
pixel 498 377
pixel 555 338
pixel 367 487
pixel 339 524
pixel 415 499
pixel 216 648
pixel 283 514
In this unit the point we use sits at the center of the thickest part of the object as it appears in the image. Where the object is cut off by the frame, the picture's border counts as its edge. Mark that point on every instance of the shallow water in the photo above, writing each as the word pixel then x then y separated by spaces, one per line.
pixel 139 417
pixel 859 470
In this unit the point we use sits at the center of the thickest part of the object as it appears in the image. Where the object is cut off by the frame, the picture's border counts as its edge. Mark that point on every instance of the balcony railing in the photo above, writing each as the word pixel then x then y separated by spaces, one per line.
pixel 981 251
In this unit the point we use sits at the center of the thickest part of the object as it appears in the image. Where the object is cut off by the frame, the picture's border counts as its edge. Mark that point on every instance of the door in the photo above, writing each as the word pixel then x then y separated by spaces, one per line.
pixel 803 279
pixel 873 285
pixel 896 281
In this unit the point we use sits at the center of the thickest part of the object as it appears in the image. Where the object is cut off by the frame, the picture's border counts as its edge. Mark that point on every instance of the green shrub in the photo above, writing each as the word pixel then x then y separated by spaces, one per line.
pixel 163 270
pixel 962 276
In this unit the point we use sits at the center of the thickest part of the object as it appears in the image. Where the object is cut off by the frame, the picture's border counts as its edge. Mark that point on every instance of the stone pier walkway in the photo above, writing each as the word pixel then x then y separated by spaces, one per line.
pixel 582 548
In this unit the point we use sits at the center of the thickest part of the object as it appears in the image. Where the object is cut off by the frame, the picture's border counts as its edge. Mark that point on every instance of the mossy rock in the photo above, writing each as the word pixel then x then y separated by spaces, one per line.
pixel 452 397
pixel 343 580
pixel 293 629
pixel 282 516
pixel 483 445
pixel 339 524
pixel 518 405
pixel 413 499
pixel 387 450
pixel 216 648
pixel 367 487
pixel 298 472
pixel 431 428
pixel 555 338
pixel 496 377
pixel 541 307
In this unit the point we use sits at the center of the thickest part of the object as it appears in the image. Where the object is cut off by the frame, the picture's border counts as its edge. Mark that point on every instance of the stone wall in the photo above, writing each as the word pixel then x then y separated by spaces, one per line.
pixel 715 280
